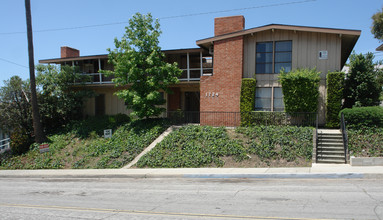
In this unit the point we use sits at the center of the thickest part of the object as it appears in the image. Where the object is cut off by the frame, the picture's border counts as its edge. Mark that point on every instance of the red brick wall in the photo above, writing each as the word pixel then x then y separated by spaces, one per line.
pixel 226 79
pixel 226 25
pixel 69 52
pixel 174 99
pixel 221 92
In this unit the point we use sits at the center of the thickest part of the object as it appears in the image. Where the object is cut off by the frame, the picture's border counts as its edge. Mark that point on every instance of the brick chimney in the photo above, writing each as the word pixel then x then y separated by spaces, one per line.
pixel 67 52
pixel 224 25
pixel 221 92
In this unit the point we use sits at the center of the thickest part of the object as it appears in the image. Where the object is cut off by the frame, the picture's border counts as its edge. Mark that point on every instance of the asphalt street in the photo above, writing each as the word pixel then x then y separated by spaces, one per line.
pixel 129 198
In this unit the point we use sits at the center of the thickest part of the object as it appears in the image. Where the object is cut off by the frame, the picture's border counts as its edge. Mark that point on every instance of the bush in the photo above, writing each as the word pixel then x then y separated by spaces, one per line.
pixel 97 124
pixel 300 89
pixel 359 117
pixel 20 141
pixel 247 100
pixel 334 98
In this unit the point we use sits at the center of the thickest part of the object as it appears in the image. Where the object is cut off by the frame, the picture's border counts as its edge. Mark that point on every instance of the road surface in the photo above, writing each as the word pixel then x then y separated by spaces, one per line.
pixel 129 198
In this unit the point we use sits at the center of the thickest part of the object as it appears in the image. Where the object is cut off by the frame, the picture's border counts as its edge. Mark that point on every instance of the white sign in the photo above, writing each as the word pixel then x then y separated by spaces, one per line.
pixel 323 55
pixel 108 133
pixel 44 148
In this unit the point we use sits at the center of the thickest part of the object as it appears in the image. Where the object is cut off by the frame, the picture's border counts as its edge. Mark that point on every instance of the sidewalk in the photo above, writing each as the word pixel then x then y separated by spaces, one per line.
pixel 323 171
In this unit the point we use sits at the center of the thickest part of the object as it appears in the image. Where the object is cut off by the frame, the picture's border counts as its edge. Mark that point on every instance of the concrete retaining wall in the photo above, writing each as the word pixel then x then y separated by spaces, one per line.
pixel 366 161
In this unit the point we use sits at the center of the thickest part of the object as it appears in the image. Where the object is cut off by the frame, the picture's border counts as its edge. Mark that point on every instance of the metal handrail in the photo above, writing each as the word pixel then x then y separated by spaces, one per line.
pixel 316 137
pixel 6 145
pixel 344 135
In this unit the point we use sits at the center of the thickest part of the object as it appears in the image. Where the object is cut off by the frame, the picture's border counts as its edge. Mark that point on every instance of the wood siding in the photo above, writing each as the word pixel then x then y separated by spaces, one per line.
pixel 306 46
pixel 305 51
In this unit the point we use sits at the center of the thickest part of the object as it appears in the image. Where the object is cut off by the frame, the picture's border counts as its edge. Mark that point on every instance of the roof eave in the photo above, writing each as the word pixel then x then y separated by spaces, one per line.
pixel 207 41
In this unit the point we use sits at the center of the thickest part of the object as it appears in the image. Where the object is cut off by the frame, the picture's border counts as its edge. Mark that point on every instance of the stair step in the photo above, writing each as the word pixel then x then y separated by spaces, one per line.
pixel 330 156
pixel 330 149
pixel 330 143
pixel 330 152
pixel 330 140
pixel 329 161
pixel 330 137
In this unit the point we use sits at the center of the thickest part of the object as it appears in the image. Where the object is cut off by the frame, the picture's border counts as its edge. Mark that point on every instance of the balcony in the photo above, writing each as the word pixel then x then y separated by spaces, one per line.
pixel 194 63
pixel 196 66
pixel 95 78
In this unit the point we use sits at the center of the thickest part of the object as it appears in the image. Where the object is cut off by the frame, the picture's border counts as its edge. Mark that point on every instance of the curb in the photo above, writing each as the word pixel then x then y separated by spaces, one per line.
pixel 209 176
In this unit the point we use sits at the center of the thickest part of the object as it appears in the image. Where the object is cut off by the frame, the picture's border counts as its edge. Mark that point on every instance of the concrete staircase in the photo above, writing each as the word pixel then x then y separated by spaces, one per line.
pixel 330 147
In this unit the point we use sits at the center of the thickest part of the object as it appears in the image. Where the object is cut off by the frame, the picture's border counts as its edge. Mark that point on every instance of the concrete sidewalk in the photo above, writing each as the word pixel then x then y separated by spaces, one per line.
pixel 342 171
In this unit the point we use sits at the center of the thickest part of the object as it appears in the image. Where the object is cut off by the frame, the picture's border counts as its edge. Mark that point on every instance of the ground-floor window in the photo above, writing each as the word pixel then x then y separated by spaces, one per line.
pixel 269 99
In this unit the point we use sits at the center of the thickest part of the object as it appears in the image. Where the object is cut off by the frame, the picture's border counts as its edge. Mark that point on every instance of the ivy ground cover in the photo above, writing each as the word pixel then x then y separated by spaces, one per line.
pixel 81 145
pixel 205 146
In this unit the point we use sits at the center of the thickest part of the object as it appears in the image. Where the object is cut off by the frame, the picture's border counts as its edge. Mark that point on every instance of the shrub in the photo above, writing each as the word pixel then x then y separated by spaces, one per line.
pixel 247 100
pixel 358 117
pixel 97 124
pixel 300 89
pixel 334 98
pixel 20 141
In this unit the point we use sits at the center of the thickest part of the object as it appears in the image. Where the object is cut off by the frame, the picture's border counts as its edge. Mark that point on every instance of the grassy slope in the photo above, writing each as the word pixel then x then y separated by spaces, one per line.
pixel 204 146
pixel 82 146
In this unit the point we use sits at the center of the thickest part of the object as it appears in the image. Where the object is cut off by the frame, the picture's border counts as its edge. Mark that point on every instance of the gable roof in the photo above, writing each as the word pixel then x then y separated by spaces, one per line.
pixel 279 27
pixel 380 48
pixel 348 36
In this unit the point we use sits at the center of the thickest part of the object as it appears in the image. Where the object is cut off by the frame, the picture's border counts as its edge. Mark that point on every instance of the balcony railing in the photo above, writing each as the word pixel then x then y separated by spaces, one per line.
pixel 191 72
pixel 4 145
pixel 96 78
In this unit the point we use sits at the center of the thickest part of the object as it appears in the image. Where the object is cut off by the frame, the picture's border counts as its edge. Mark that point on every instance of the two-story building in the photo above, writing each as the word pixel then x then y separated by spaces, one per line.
pixel 212 73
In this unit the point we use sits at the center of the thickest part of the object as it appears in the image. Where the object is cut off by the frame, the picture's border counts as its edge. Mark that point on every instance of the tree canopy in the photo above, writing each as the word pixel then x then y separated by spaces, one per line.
pixel 15 106
pixel 60 102
pixel 361 84
pixel 139 64
pixel 377 25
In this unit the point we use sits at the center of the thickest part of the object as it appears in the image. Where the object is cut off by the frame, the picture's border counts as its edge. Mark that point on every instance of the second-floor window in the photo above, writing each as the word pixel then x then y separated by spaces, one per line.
pixel 272 57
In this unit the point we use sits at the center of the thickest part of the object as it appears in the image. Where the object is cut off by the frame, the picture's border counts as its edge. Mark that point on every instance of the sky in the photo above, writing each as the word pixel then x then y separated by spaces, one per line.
pixel 59 23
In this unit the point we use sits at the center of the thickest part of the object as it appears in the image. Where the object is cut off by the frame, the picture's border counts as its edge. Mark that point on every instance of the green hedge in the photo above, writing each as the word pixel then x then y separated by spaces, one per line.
pixel 247 99
pixel 300 89
pixel 335 82
pixel 358 117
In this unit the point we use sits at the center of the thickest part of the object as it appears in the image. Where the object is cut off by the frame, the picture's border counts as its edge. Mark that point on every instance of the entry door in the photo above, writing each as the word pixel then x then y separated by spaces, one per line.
pixel 192 107
pixel 100 105
pixel 192 101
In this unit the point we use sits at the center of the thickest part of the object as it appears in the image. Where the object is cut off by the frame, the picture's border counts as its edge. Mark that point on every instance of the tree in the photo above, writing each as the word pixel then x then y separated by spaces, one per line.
pixel 15 108
pixel 139 64
pixel 60 102
pixel 377 25
pixel 361 85
pixel 38 129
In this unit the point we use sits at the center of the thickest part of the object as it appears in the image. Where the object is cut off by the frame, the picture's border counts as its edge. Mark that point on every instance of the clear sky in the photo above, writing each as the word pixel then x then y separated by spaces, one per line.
pixel 178 32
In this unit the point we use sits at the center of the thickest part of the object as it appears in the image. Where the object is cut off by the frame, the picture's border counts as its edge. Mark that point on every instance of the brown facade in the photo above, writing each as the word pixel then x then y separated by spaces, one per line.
pixel 216 88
